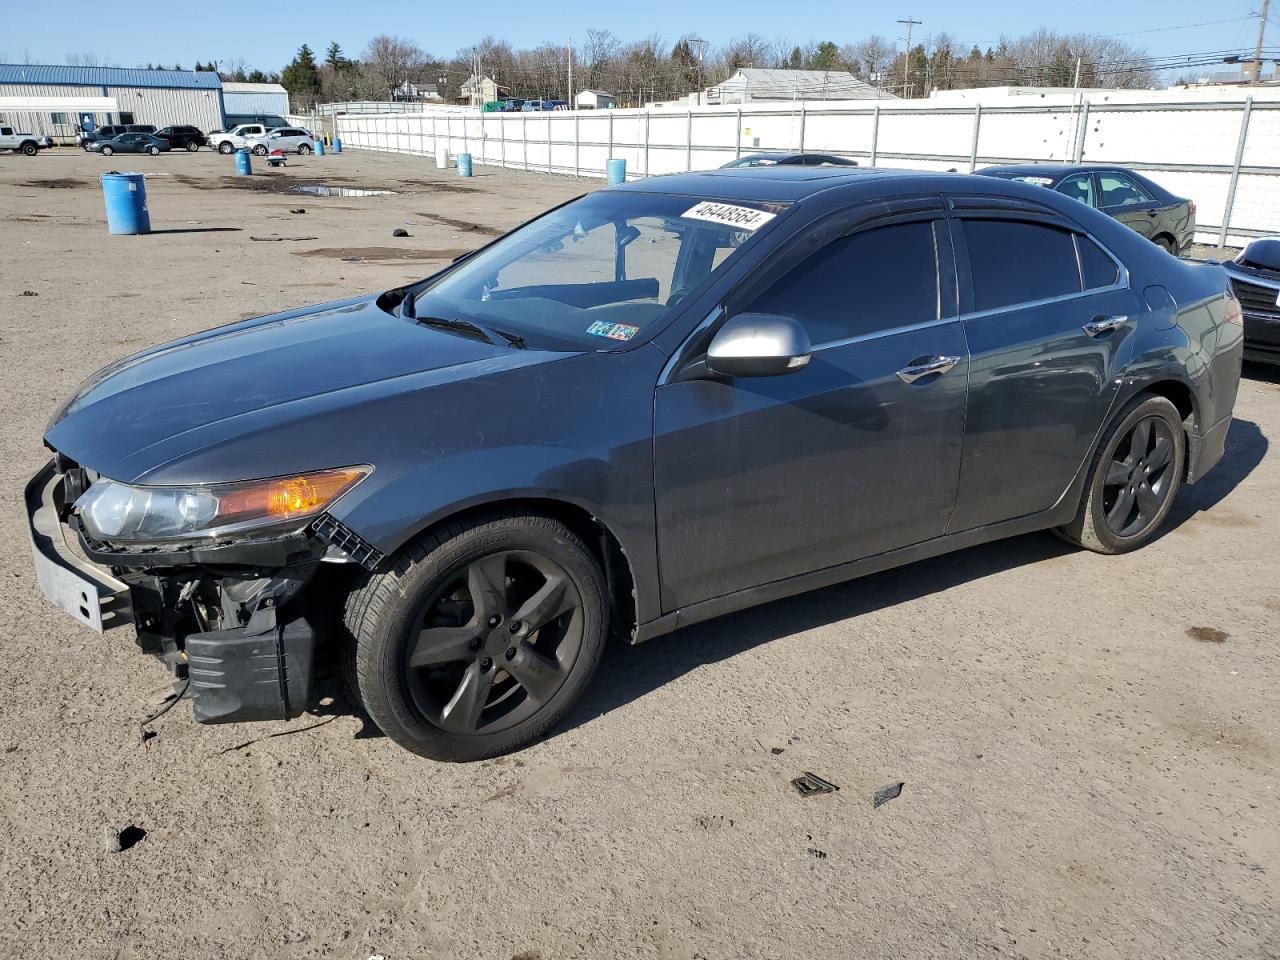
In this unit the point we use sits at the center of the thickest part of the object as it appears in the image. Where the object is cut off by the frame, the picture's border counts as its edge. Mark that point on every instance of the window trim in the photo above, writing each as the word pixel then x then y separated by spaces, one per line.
pixel 961 246
pixel 1139 187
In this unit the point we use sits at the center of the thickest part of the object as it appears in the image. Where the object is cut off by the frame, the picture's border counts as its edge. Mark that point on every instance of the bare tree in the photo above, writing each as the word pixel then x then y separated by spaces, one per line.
pixel 599 55
pixel 85 59
pixel 390 61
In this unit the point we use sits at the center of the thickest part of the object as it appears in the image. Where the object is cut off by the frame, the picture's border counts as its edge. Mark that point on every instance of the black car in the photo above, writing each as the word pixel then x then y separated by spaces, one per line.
pixel 1135 200
pixel 790 160
pixel 656 404
pixel 1255 276
pixel 109 131
pixel 131 143
pixel 182 137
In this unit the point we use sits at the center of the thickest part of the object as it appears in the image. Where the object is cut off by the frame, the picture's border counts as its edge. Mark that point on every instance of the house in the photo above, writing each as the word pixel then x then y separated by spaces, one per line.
pixel 594 100
pixel 477 92
pixel 413 90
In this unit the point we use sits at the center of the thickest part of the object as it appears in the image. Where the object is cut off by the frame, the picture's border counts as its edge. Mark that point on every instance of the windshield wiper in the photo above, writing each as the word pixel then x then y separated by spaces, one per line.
pixel 514 339
pixel 465 327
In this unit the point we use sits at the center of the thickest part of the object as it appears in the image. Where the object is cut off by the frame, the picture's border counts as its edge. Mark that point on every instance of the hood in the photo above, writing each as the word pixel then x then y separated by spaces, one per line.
pixel 135 415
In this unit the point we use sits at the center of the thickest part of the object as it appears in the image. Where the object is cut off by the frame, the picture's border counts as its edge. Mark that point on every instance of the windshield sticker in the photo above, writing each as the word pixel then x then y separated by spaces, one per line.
pixel 614 331
pixel 731 215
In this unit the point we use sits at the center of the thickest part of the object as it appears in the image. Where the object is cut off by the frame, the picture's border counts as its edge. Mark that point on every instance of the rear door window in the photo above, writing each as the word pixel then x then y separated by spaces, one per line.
pixel 1078 186
pixel 1121 191
pixel 873 280
pixel 1013 262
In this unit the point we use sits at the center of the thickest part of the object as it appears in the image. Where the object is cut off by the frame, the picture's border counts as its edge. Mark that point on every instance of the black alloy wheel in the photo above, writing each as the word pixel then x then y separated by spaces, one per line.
pixel 495 644
pixel 1138 479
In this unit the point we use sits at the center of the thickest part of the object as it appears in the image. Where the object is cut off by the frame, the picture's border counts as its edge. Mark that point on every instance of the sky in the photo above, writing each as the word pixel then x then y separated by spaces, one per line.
pixel 266 33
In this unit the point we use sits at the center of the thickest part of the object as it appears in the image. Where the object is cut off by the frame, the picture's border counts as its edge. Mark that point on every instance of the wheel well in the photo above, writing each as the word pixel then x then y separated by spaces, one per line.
pixel 595 534
pixel 1179 394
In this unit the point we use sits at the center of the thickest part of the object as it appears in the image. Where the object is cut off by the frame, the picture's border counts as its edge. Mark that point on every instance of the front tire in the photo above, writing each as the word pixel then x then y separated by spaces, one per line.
pixel 30 149
pixel 225 147
pixel 479 637
pixel 107 151
pixel 1134 478
pixel 259 151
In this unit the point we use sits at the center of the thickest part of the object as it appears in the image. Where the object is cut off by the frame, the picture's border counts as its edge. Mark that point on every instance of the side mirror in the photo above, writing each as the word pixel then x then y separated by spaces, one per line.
pixel 758 345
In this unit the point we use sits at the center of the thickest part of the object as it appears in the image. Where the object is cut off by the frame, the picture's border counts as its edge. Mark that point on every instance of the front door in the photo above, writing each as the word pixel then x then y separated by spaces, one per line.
pixel 1128 201
pixel 760 479
pixel 1049 318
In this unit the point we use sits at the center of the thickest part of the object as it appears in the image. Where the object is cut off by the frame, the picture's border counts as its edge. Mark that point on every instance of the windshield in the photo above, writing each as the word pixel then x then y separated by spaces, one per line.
pixel 597 272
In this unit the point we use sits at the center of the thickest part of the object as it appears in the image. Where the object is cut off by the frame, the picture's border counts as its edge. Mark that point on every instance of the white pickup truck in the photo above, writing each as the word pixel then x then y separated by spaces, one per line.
pixel 237 137
pixel 28 143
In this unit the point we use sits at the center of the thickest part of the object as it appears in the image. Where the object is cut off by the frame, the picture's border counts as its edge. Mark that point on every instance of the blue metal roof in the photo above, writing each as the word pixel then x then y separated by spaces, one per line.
pixel 107 76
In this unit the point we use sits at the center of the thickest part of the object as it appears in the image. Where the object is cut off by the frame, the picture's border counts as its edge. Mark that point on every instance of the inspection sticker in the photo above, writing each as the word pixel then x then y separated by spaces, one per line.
pixel 614 331
pixel 731 215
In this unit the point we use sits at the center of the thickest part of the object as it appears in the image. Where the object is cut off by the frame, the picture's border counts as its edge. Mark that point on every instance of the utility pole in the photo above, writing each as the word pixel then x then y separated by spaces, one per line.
pixel 701 48
pixel 1257 50
pixel 906 60
pixel 571 104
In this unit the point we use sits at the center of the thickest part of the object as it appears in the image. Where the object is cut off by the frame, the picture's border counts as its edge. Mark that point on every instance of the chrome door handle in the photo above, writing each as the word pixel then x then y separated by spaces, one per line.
pixel 933 365
pixel 1100 325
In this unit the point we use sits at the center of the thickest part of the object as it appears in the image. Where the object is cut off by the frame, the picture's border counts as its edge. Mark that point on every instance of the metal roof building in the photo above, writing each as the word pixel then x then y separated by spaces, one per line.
pixel 270 98
pixel 158 97
pixel 751 85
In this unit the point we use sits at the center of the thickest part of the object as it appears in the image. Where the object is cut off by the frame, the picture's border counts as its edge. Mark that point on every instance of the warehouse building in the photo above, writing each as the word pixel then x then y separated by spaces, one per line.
pixel 159 97
pixel 254 98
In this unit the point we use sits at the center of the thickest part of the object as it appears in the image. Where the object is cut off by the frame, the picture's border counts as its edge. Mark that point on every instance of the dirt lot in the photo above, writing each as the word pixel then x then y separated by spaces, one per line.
pixel 1090 746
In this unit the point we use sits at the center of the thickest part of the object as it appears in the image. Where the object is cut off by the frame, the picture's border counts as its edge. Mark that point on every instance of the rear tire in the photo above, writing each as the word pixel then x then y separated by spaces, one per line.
pixel 153 150
pixel 1166 244
pixel 1133 480
pixel 479 637
pixel 192 146
pixel 304 148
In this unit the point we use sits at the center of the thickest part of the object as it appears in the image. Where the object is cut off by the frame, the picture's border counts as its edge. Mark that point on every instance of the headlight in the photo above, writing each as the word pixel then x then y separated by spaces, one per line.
pixel 117 511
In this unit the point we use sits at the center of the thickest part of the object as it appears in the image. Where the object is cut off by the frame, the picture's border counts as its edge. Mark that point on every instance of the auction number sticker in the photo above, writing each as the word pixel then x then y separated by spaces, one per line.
pixel 614 331
pixel 729 214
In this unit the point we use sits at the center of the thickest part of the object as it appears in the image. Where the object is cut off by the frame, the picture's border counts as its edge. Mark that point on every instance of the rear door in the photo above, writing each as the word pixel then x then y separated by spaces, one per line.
pixel 1128 201
pixel 1049 319
pixel 760 479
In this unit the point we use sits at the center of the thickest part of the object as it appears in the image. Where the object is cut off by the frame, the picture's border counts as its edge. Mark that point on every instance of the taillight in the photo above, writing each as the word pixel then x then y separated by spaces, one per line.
pixel 1233 313
pixel 1192 205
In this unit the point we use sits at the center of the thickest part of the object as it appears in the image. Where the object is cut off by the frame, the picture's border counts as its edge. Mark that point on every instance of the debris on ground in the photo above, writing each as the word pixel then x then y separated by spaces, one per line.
pixel 350 259
pixel 887 793
pixel 818 854
pixel 810 784
pixel 399 232
pixel 30 293
pixel 298 210
pixel 776 750
pixel 283 238
pixel 117 841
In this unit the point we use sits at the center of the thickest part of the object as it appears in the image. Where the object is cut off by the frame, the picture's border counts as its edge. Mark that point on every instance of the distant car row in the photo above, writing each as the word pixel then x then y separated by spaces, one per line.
pixel 517 105
pixel 144 138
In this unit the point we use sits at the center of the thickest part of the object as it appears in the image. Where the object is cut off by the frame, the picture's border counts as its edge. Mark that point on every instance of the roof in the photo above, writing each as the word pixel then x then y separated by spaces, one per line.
pixel 231 86
pixel 598 93
pixel 107 76
pixel 788 84
pixel 768 184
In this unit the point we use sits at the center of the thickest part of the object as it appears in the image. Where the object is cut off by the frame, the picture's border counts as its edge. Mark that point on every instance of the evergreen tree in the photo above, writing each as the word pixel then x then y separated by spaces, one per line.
pixel 335 58
pixel 301 76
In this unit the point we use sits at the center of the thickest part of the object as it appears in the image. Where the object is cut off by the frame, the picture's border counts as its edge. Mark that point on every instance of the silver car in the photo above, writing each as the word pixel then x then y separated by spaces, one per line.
pixel 285 139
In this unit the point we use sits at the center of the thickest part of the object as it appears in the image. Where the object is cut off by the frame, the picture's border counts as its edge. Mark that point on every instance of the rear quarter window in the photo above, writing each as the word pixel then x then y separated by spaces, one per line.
pixel 1096 267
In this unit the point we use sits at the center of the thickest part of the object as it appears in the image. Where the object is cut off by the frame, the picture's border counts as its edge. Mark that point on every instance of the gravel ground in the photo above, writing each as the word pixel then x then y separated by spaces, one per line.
pixel 1089 745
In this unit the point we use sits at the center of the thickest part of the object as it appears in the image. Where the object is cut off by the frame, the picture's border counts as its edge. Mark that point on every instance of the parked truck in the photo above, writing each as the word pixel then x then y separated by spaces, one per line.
pixel 28 143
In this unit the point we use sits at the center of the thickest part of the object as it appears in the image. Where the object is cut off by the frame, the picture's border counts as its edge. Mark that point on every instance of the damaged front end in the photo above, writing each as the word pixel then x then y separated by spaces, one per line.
pixel 233 613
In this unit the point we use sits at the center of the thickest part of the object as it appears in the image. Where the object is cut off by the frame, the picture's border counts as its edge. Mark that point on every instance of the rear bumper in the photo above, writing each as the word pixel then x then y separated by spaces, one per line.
pixel 261 669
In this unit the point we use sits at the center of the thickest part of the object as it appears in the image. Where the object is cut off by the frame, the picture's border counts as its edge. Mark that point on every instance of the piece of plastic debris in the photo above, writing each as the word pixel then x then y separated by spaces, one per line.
pixel 298 210
pixel 818 854
pixel 810 784
pixel 30 293
pixel 887 793
pixel 776 750
pixel 399 232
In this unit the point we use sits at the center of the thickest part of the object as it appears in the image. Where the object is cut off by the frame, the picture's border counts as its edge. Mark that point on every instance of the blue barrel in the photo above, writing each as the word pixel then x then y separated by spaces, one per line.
pixel 243 166
pixel 126 198
pixel 615 171
pixel 320 147
pixel 464 164
pixel 337 145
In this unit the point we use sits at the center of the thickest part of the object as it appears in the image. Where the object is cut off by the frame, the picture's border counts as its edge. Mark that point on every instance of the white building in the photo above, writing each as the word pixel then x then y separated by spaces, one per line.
pixel 751 85
pixel 416 90
pixel 158 97
pixel 594 100
pixel 255 98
